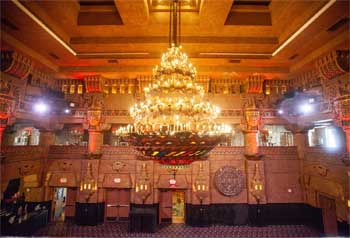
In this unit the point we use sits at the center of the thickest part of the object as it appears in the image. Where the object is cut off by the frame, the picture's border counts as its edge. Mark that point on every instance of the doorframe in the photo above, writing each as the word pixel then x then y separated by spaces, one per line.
pixel 160 190
pixel 333 199
pixel 53 203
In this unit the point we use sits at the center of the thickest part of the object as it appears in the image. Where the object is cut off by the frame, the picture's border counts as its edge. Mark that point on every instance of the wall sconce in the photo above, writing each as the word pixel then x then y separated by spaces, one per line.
pixel 88 185
pixel 256 186
pixel 267 89
pixel 200 186
pixel 143 186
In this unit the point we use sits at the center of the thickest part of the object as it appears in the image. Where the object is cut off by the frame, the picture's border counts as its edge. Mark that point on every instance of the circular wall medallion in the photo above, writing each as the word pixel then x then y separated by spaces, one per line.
pixel 229 181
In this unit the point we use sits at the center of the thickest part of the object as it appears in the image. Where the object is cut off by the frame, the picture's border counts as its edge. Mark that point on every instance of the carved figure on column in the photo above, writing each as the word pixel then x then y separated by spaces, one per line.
pixel 342 118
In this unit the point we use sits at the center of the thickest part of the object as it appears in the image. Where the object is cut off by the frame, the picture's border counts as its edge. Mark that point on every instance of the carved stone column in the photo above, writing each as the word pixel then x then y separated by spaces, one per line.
pixel 342 116
pixel 252 122
pixel 47 137
pixel 95 141
pixel 94 121
pixel 251 143
pixel 300 141
pixel 2 129
pixel 348 200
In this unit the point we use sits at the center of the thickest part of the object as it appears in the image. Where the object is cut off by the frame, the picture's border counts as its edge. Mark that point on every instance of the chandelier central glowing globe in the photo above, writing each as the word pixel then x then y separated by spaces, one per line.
pixel 175 124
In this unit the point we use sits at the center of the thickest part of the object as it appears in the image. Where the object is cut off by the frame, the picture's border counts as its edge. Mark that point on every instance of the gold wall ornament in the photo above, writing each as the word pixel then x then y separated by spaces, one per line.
pixel 229 181
pixel 143 184
pixel 88 185
pixel 117 166
pixel 63 165
pixel 201 185
pixel 94 118
pixel 25 169
pixel 257 185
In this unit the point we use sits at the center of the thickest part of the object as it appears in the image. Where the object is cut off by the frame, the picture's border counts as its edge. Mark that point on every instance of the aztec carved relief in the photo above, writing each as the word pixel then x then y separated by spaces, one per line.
pixel 229 181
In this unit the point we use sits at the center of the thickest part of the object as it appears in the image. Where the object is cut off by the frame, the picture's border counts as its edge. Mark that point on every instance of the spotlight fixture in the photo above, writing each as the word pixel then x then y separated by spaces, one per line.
pixel 311 100
pixel 41 107
pixel 67 111
pixel 72 104
pixel 280 111
pixel 305 108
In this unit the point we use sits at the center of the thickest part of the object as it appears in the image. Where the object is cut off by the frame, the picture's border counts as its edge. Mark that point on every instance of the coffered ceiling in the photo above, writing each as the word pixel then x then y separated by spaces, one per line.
pixel 222 37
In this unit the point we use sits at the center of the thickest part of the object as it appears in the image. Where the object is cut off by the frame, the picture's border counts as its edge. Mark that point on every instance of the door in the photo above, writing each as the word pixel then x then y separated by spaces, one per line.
pixel 59 204
pixel 70 202
pixel 329 216
pixel 178 208
pixel 165 206
pixel 117 204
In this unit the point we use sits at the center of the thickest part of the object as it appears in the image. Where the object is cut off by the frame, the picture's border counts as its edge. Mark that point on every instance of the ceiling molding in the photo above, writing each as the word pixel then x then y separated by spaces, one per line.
pixel 43 26
pixel 342 38
pixel 304 26
pixel 28 51
pixel 236 55
pixel 165 39
pixel 202 69
pixel 208 8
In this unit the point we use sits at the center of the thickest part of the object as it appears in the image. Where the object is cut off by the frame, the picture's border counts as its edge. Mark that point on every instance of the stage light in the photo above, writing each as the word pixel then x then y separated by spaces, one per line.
pixel 41 108
pixel 280 111
pixel 306 108
pixel 67 111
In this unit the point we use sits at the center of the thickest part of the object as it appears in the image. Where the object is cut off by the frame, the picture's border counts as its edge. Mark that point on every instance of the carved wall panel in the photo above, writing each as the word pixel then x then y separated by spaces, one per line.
pixel 16 64
pixel 333 64
pixel 229 181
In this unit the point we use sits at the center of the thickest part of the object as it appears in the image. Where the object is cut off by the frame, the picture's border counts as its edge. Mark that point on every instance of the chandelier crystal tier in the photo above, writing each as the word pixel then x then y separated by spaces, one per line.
pixel 175 123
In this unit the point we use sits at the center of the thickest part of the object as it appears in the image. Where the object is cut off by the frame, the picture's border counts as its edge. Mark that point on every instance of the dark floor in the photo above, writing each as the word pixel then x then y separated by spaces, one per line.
pixel 109 229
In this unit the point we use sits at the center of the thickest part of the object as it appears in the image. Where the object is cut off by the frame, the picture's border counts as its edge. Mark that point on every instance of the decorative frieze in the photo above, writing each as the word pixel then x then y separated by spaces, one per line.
pixel 16 64
pixel 67 149
pixel 94 83
pixel 333 64
pixel 254 84
pixel 278 150
pixel 227 150
pixel 118 150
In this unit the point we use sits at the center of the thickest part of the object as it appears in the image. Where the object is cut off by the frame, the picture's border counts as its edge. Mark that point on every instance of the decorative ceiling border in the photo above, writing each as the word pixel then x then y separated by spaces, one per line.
pixel 72 51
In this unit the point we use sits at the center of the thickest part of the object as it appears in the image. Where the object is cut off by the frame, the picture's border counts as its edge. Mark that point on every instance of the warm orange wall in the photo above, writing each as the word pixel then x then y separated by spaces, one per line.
pixel 326 174
pixel 279 171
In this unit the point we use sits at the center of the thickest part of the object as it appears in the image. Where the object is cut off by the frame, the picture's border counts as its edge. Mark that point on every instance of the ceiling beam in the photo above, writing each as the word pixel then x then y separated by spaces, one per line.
pixel 164 39
pixel 28 51
pixel 136 13
pixel 202 69
pixel 213 13
pixel 342 38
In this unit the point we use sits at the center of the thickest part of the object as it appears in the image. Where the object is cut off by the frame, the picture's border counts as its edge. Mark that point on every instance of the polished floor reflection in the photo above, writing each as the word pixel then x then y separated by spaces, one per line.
pixel 107 229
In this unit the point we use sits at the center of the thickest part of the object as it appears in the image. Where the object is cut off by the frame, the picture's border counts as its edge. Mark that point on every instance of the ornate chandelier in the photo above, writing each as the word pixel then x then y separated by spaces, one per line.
pixel 175 123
